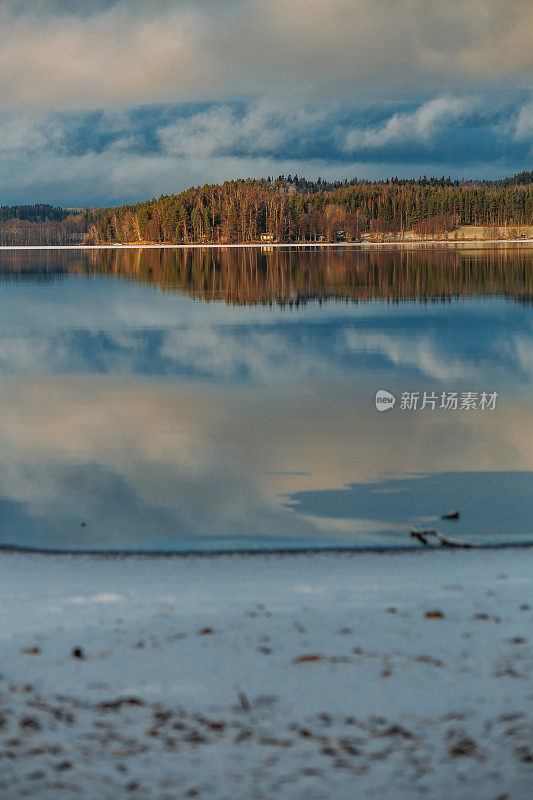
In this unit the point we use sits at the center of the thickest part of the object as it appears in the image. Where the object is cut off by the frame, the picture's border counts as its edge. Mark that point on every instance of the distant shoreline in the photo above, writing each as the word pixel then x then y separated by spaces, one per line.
pixel 271 245
pixel 281 552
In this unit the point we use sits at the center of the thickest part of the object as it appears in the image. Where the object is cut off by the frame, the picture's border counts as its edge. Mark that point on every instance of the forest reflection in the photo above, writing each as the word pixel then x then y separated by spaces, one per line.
pixel 254 276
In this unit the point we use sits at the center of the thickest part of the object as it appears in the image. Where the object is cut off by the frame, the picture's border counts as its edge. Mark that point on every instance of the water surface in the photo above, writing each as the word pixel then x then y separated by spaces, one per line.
pixel 207 400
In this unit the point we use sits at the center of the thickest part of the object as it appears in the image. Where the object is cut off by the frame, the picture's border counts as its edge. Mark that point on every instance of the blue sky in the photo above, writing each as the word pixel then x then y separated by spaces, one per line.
pixel 120 101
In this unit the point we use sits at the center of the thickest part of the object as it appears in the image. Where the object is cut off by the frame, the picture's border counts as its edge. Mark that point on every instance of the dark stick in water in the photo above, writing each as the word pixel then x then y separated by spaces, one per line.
pixel 421 536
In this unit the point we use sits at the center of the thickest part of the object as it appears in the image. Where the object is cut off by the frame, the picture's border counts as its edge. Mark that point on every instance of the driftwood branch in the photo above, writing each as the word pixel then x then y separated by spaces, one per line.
pixel 443 541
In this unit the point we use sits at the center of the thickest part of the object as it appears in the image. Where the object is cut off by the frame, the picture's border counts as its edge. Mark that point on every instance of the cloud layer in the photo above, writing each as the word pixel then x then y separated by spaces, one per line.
pixel 113 101
pixel 123 155
pixel 132 51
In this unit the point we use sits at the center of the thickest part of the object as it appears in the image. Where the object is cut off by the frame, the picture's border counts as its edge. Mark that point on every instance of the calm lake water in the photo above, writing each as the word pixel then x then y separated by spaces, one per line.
pixel 214 400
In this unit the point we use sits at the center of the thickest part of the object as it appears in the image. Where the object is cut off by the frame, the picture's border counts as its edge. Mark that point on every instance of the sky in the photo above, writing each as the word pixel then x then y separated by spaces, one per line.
pixel 116 101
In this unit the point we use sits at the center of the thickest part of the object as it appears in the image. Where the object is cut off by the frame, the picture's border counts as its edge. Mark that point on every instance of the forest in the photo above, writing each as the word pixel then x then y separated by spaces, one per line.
pixel 284 209
pixel 40 224
pixel 291 210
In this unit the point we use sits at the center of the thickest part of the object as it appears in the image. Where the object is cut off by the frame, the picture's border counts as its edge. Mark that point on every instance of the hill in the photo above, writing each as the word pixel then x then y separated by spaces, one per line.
pixel 286 209
pixel 293 209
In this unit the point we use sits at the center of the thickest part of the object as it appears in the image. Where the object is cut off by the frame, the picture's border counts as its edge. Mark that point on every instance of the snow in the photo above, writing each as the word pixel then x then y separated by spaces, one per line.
pixel 410 243
pixel 327 675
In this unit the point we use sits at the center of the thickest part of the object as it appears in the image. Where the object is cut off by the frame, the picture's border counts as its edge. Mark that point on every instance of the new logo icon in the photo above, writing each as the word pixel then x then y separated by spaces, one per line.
pixel 384 400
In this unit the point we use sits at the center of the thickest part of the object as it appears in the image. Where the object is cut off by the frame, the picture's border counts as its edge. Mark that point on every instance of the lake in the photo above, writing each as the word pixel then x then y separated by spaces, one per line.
pixel 200 400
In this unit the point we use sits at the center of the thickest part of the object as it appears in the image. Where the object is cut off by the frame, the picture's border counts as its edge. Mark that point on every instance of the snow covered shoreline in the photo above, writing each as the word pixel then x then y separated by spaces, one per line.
pixel 407 243
pixel 319 675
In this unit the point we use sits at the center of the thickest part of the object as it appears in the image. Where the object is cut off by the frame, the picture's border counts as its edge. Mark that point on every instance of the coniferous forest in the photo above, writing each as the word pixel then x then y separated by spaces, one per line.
pixel 285 209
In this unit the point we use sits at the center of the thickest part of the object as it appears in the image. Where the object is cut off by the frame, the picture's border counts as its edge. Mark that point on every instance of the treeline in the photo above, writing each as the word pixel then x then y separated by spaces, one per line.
pixel 71 230
pixel 283 209
pixel 246 210
pixel 520 179
pixel 40 224
pixel 301 184
pixel 38 212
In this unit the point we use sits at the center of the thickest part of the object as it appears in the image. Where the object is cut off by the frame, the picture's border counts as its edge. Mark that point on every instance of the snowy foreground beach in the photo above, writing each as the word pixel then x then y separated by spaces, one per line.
pixel 308 676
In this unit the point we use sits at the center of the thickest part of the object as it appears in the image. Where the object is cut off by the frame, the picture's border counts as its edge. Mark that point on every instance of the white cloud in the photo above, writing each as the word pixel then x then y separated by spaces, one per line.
pixel 263 127
pixel 404 128
pixel 523 130
pixel 20 133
